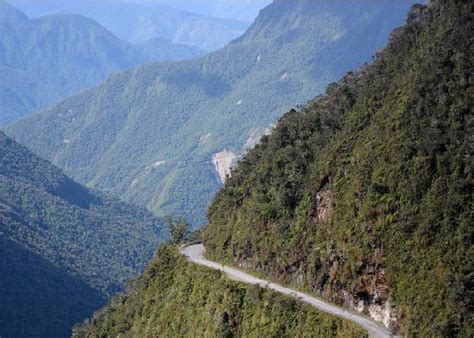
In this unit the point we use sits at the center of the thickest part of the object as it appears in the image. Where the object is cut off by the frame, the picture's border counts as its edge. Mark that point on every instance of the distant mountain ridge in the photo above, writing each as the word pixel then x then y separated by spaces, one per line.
pixel 52 227
pixel 138 22
pixel 163 49
pixel 150 134
pixel 10 14
pixel 44 59
pixel 244 10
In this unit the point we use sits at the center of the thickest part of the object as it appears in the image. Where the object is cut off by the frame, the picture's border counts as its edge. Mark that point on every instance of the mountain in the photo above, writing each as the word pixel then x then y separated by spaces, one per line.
pixel 156 134
pixel 244 10
pixel 174 298
pixel 45 59
pixel 160 49
pixel 65 248
pixel 10 14
pixel 34 291
pixel 137 23
pixel 364 196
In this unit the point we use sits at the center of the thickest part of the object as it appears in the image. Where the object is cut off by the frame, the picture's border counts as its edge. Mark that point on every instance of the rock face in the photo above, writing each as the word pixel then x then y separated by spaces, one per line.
pixel 223 163
pixel 324 201
pixel 374 301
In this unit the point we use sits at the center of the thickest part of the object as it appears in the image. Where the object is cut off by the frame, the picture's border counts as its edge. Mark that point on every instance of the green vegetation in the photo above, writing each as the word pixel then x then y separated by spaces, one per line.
pixel 37 298
pixel 148 135
pixel 178 228
pixel 159 49
pixel 174 298
pixel 45 59
pixel 365 195
pixel 64 248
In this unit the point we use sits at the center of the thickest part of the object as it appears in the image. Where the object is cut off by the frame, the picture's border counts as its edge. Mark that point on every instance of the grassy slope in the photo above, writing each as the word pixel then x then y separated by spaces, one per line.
pixel 174 298
pixel 365 195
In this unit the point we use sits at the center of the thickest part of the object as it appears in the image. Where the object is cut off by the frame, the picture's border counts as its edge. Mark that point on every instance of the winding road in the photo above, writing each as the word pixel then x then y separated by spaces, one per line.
pixel 195 254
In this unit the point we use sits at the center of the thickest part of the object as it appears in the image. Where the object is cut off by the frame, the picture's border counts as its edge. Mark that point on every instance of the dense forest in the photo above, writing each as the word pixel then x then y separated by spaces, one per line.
pixel 364 196
pixel 174 298
pixel 44 59
pixel 58 236
pixel 148 135
pixel 39 299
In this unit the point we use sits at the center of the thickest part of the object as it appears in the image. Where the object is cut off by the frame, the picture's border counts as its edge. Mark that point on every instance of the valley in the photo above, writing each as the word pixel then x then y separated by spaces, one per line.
pixel 164 111
pixel 168 173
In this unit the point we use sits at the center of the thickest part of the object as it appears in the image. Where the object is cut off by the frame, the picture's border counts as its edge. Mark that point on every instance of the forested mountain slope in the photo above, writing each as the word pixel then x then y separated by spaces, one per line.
pixel 37 298
pixel 245 10
pixel 45 59
pixel 155 135
pixel 174 298
pixel 64 248
pixel 138 21
pixel 364 196
pixel 159 49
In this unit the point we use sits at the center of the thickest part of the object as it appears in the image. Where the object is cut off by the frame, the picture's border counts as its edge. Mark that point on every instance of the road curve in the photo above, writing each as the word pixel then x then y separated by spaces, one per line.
pixel 195 254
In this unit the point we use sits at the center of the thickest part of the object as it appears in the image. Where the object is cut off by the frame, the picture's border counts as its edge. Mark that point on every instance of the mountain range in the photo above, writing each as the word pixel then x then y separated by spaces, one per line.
pixel 163 135
pixel 45 59
pixel 363 197
pixel 138 22
pixel 243 10
pixel 65 249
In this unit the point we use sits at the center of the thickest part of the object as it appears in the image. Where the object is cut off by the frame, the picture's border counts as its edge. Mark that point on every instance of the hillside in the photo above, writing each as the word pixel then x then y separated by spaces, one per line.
pixel 364 196
pixel 34 291
pixel 141 21
pixel 59 236
pixel 10 14
pixel 244 10
pixel 174 298
pixel 45 59
pixel 160 49
pixel 154 134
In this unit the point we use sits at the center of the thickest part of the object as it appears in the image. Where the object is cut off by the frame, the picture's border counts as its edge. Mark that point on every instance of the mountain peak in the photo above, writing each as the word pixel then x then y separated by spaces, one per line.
pixel 10 14
pixel 288 17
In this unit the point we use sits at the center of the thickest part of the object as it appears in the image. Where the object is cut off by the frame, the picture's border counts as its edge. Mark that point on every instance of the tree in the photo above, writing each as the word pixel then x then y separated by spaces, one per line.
pixel 178 228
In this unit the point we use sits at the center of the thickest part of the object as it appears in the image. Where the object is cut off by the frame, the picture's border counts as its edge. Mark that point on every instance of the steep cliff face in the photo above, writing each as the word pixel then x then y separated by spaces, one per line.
pixel 364 196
